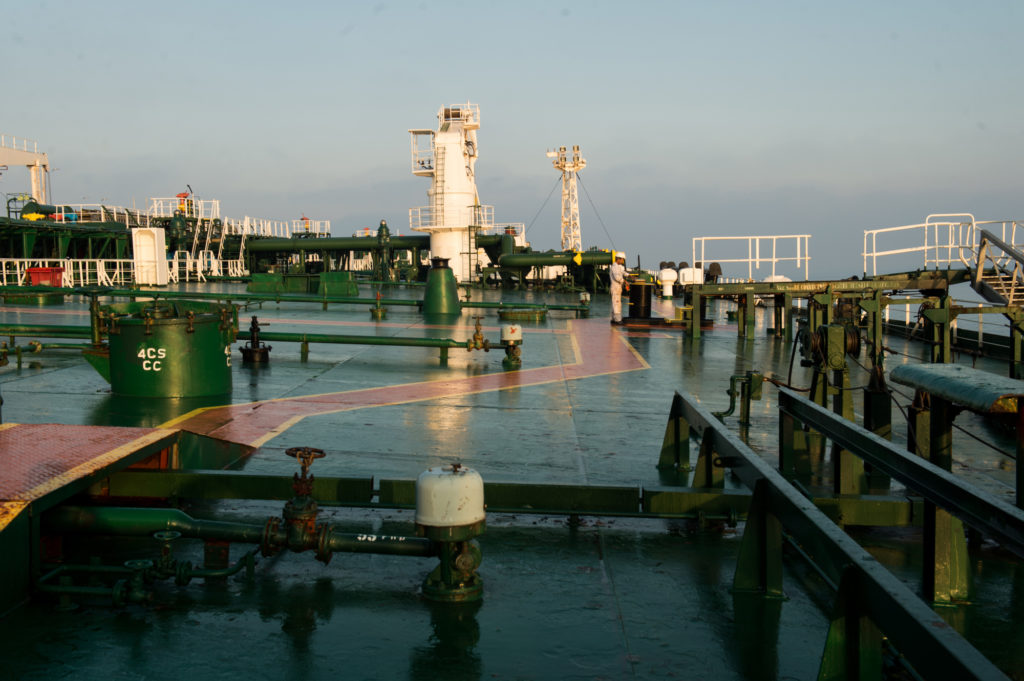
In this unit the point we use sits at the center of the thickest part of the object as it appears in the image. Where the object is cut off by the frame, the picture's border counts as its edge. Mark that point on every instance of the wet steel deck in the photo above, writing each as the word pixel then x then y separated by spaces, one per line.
pixel 607 599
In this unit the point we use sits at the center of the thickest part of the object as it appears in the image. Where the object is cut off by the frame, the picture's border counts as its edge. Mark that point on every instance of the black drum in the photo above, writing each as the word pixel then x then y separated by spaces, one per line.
pixel 640 293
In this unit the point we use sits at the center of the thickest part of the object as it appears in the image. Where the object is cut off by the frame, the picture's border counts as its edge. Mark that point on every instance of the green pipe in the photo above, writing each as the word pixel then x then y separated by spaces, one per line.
pixel 193 295
pixel 277 298
pixel 344 339
pixel 390 545
pixel 346 243
pixel 554 258
pixel 528 306
pixel 66 346
pixel 372 282
pixel 268 297
pixel 146 521
pixel 45 331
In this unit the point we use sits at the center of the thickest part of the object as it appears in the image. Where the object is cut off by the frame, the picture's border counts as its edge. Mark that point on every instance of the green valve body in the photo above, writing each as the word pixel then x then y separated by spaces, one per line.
pixel 442 294
pixel 180 349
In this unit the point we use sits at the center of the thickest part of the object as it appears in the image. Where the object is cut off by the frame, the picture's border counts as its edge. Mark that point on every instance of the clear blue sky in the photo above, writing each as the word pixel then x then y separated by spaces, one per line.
pixel 696 118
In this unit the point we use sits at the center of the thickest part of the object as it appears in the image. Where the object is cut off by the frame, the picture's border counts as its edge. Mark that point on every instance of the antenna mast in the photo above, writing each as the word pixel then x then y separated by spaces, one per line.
pixel 571 238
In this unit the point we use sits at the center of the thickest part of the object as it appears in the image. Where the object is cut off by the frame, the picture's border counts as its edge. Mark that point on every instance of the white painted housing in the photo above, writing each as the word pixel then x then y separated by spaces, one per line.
pixel 449 496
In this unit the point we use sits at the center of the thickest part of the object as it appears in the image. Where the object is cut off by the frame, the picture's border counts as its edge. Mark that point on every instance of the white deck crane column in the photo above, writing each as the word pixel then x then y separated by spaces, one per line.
pixel 454 214
pixel 15 151
pixel 572 240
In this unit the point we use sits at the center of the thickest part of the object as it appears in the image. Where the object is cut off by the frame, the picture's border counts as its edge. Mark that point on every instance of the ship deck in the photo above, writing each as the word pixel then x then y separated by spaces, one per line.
pixel 567 597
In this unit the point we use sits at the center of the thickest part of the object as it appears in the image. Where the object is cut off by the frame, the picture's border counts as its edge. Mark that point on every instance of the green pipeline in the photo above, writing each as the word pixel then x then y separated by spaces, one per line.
pixel 45 331
pixel 343 339
pixel 146 521
pixel 552 258
pixel 349 243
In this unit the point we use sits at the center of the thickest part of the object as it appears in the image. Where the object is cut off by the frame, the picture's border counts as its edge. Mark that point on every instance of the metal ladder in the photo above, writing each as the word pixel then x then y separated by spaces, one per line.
pixel 438 208
pixel 998 273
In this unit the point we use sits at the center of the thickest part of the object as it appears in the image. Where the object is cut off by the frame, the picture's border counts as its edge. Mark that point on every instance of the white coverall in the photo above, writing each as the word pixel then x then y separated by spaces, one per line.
pixel 617 276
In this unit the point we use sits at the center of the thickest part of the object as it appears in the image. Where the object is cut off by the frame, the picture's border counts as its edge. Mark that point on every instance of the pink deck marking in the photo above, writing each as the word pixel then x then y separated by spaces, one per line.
pixel 599 350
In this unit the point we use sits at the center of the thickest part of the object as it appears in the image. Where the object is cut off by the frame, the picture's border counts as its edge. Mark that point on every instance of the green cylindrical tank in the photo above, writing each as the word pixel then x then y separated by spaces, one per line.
pixel 170 349
pixel 442 294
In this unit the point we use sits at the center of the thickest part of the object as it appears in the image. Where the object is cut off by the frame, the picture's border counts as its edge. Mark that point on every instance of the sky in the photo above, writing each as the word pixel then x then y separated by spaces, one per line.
pixel 697 119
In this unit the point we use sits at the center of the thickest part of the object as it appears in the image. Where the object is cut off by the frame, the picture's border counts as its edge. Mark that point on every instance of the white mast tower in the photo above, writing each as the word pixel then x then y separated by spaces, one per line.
pixel 448 156
pixel 571 238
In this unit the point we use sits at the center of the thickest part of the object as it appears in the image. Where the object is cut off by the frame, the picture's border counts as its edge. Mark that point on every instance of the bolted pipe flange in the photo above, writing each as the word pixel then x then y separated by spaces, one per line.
pixel 323 543
pixel 269 545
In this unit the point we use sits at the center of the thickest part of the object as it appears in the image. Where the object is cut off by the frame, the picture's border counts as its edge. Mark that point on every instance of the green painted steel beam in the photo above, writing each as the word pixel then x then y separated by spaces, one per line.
pixel 993 517
pixel 841 288
pixel 219 484
pixel 933 647
pixel 653 502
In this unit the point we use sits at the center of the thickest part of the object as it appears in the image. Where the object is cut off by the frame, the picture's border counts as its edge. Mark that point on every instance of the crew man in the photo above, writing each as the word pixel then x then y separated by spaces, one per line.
pixel 617 277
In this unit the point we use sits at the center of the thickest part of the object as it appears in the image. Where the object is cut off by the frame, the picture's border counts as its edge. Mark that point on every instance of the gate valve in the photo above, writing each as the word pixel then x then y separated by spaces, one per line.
pixel 300 513
pixel 478 342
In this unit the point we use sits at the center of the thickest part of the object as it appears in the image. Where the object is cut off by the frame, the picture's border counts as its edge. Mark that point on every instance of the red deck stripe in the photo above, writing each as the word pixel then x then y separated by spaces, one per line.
pixel 601 351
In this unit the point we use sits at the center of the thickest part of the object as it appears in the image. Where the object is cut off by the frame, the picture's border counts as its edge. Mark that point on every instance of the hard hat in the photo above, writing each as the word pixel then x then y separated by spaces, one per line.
pixel 620 254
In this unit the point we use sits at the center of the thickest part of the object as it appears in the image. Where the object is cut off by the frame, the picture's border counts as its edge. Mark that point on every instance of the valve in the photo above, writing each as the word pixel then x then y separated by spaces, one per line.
pixel 478 342
pixel 255 351
pixel 377 312
pixel 512 339
pixel 300 530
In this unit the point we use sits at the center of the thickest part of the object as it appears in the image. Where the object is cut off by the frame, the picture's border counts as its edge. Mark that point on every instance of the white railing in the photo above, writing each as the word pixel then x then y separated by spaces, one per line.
pixel 278 228
pixel 204 209
pixel 481 217
pixel 76 272
pixel 308 226
pixel 183 267
pixel 95 212
pixel 19 143
pixel 467 113
pixel 940 241
pixel 236 268
pixel 422 152
pixel 757 254
pixel 516 229
pixel 909 315
pixel 420 217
